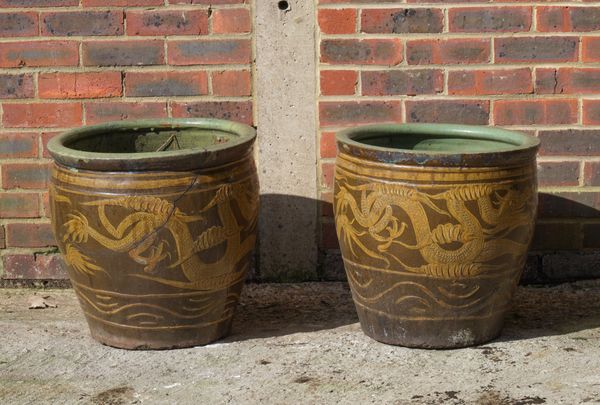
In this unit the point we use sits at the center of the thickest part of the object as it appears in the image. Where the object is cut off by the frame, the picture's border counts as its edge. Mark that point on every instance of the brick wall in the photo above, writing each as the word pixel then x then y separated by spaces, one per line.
pixel 531 66
pixel 64 63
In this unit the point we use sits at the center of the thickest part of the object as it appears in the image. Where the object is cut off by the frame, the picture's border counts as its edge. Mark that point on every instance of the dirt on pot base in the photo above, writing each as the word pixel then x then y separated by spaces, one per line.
pixel 301 343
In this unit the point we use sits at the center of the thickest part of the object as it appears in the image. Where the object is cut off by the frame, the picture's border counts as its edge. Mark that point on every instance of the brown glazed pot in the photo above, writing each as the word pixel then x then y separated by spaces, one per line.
pixel 434 223
pixel 156 221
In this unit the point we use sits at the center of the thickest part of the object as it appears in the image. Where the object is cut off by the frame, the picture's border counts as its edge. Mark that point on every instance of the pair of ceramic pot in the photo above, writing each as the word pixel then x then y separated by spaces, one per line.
pixel 156 221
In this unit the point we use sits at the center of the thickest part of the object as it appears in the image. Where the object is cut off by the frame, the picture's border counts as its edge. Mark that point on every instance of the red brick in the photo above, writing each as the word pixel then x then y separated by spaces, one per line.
pixel 175 83
pixel 472 112
pixel 361 51
pixel 546 81
pixel 210 52
pixel 68 23
pixel 98 112
pixel 498 81
pixel 553 19
pixel 327 175
pixel 329 238
pixel 569 205
pixel 591 173
pixel 559 174
pixel 232 83
pixel 35 115
pixel 122 3
pixel 374 1
pixel 208 2
pixel 79 85
pixel 527 1
pixel 39 53
pixel 38 3
pixel 240 111
pixel 35 266
pixel 568 19
pixel 535 112
pixel 591 49
pixel 345 113
pixel 18 24
pixel 333 21
pixel 568 81
pixel 46 204
pixel 570 142
pixel 328 145
pixel 123 53
pixel 402 82
pixel 338 82
pixel 25 175
pixel 167 22
pixel 29 235
pixel 591 112
pixel 16 86
pixel 439 2
pixel 402 20
pixel 19 205
pixel 18 145
pixel 449 51
pixel 490 19
pixel 231 20
pixel 541 49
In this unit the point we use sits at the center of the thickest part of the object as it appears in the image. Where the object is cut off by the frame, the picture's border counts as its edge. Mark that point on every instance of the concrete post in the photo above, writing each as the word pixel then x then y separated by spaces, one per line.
pixel 285 87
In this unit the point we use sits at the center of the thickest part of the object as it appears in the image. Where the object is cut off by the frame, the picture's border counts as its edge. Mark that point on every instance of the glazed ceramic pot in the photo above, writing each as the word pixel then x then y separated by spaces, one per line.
pixel 434 223
pixel 156 221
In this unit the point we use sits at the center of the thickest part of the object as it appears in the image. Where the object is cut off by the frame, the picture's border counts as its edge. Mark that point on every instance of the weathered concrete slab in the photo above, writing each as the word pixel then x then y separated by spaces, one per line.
pixel 301 344
pixel 285 83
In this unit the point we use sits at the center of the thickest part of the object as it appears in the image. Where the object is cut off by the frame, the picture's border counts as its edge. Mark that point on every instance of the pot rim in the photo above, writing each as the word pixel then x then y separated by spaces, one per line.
pixel 523 145
pixel 183 159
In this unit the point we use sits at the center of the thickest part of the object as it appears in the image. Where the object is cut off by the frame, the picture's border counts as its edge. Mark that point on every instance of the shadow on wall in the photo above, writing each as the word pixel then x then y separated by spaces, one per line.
pixel 296 241
pixel 571 253
pixel 287 241
pixel 566 246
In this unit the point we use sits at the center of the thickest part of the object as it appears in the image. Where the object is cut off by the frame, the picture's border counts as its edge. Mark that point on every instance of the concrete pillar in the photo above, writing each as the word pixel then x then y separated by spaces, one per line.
pixel 285 91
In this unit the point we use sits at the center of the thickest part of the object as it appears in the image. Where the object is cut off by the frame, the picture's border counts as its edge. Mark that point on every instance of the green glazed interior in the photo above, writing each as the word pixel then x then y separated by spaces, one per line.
pixel 437 138
pixel 428 142
pixel 148 140
pixel 165 144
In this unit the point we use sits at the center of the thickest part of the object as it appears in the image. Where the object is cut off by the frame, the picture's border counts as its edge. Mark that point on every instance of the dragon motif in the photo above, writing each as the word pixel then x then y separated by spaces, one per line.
pixel 140 235
pixel 382 219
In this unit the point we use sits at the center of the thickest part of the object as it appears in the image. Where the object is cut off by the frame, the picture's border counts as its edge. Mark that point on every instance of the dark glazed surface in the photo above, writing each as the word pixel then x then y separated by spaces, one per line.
pixel 434 252
pixel 157 258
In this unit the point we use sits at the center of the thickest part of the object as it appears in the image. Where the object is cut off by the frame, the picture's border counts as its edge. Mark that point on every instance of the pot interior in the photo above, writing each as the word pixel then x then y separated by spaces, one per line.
pixel 451 143
pixel 145 140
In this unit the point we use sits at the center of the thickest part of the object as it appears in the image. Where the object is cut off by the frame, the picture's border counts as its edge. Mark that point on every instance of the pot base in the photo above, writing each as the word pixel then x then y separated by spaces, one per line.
pixel 176 338
pixel 430 334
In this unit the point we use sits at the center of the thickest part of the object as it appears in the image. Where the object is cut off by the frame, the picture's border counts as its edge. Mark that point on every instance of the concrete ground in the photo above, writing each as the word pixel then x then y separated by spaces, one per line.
pixel 301 343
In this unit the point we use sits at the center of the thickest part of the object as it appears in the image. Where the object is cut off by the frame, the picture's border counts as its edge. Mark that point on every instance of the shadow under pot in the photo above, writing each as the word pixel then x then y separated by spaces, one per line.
pixel 156 221
pixel 434 223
